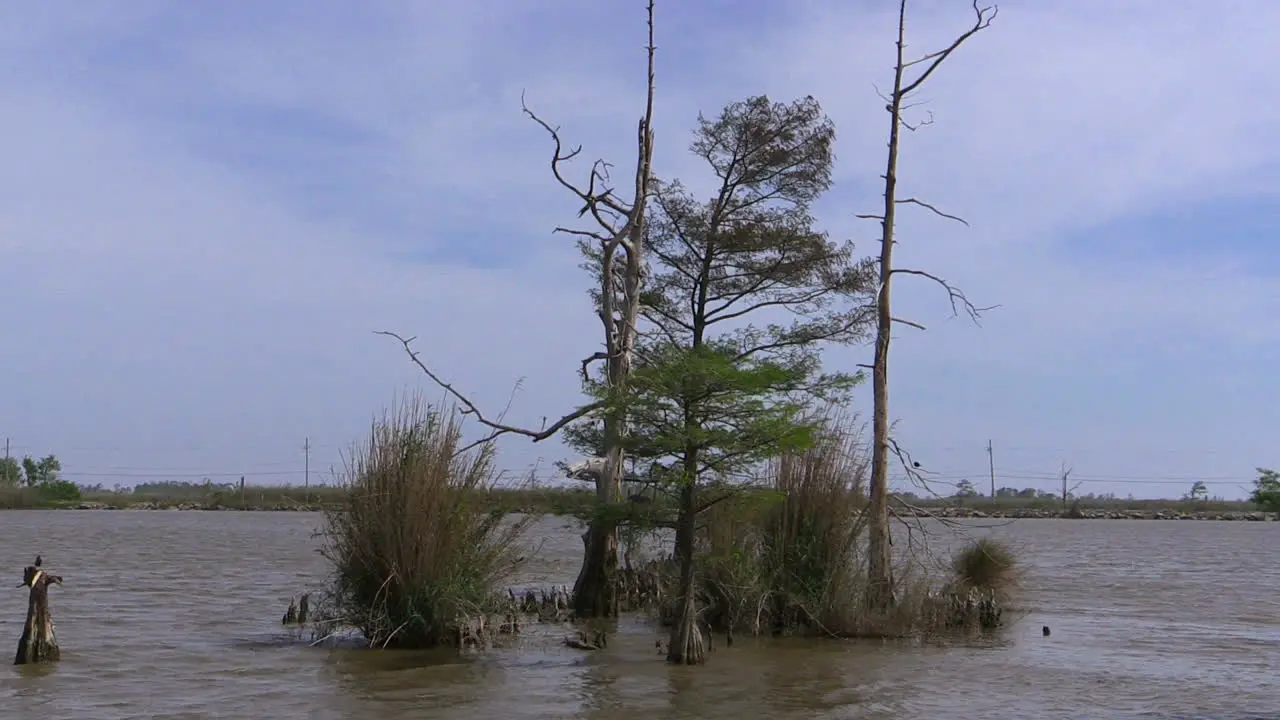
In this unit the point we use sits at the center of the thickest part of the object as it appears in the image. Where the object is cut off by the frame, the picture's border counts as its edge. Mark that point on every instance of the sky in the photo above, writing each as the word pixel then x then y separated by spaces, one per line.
pixel 210 208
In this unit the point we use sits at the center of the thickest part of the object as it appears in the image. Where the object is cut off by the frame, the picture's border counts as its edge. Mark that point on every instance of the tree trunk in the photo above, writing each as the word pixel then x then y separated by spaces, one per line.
pixel 595 593
pixel 879 559
pixel 38 643
pixel 687 645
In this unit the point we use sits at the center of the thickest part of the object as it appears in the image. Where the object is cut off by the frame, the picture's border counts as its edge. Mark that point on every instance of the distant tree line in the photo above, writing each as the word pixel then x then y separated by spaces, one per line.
pixel 1266 490
pixel 41 475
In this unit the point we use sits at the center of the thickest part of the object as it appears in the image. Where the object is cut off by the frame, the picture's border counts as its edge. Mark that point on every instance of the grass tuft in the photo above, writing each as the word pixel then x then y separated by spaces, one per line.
pixel 787 558
pixel 418 556
pixel 986 565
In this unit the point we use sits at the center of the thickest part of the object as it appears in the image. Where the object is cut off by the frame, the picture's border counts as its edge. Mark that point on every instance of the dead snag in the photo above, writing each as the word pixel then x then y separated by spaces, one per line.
pixel 38 643
pixel 908 76
pixel 298 610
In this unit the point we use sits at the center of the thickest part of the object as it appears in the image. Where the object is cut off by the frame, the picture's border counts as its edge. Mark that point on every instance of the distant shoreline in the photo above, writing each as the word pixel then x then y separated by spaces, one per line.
pixel 580 502
pixel 950 513
pixel 1169 513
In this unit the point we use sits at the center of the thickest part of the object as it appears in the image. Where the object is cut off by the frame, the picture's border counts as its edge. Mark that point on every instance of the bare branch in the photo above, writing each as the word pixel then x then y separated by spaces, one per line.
pixel 982 20
pixel 936 211
pixel 592 199
pixel 595 357
pixel 715 501
pixel 469 408
pixel 915 472
pixel 957 296
pixel 910 323
pixel 923 123
pixel 583 233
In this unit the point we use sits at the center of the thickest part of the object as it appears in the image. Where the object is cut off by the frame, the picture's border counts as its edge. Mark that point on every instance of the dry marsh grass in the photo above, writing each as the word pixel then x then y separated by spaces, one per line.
pixel 418 558
pixel 787 558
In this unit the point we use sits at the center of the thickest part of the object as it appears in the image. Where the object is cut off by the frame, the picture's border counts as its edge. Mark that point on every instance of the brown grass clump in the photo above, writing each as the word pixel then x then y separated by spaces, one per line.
pixel 418 561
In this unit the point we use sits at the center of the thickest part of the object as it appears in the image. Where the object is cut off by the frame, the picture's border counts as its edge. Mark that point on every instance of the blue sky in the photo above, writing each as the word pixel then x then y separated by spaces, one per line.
pixel 208 213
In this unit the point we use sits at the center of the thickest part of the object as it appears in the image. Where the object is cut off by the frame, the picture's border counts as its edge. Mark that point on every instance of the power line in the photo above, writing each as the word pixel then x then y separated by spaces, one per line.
pixel 955 479
pixel 63 449
pixel 1042 475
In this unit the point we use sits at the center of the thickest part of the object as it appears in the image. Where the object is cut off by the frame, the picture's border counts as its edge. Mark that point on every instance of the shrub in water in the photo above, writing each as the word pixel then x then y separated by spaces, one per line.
pixel 417 559
pixel 985 564
pixel 984 575
pixel 788 561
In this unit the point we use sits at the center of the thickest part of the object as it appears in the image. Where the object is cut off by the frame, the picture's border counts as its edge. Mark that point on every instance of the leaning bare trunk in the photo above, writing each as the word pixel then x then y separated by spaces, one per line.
pixel 687 645
pixel 38 643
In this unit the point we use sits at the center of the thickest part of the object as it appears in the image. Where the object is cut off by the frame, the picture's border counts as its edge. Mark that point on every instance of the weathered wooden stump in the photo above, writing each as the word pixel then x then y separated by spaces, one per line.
pixel 297 612
pixel 38 643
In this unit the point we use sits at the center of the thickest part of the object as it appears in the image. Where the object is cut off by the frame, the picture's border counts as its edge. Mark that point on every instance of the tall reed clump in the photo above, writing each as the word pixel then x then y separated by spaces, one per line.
pixel 792 561
pixel 418 562
pixel 791 565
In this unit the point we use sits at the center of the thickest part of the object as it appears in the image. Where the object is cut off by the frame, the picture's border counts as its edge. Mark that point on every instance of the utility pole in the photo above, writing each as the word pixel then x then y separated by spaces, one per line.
pixel 6 451
pixel 991 461
pixel 306 472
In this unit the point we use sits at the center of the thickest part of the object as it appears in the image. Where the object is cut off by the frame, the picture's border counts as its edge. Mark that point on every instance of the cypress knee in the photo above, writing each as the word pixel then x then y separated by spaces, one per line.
pixel 38 643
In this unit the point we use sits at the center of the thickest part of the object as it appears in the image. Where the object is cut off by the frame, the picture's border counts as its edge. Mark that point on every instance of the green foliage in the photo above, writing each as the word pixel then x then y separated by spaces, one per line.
pixel 59 491
pixel 40 472
pixel 732 412
pixel 1266 492
pixel 742 293
pixel 10 472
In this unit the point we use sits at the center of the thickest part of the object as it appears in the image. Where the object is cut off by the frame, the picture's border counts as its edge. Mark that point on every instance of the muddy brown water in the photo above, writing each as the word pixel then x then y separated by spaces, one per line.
pixel 176 615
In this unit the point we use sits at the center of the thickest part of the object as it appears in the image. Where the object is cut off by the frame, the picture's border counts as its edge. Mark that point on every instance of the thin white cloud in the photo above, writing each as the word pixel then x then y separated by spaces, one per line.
pixel 1059 119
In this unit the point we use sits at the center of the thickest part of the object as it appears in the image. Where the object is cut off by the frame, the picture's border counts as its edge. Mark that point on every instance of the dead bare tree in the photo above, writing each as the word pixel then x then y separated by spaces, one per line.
pixel 615 239
pixel 879 563
pixel 1064 474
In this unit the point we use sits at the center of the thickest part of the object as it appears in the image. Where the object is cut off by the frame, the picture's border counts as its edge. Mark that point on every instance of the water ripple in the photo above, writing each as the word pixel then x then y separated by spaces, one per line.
pixel 175 615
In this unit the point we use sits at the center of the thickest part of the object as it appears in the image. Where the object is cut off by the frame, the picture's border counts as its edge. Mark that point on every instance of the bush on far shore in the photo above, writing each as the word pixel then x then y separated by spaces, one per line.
pixel 418 557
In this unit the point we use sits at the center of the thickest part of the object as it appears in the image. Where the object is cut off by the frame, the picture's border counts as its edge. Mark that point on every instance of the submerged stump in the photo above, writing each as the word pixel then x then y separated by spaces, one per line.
pixel 38 643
